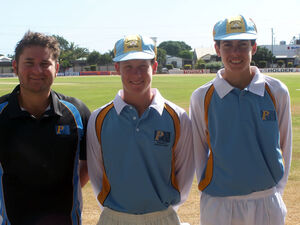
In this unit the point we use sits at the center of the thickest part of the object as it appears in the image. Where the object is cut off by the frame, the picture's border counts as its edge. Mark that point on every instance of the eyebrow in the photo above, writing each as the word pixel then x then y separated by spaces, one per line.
pixel 29 59
pixel 32 59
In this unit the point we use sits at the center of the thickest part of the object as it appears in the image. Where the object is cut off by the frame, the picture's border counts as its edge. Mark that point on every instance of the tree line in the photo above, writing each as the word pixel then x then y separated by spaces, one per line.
pixel 70 52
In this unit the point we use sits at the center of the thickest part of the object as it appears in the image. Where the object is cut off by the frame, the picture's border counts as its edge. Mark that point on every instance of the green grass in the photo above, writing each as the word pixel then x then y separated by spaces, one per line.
pixel 98 90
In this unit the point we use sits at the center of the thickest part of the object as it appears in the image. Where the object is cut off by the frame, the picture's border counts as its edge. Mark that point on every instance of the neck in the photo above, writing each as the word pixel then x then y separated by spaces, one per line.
pixel 35 104
pixel 140 102
pixel 239 79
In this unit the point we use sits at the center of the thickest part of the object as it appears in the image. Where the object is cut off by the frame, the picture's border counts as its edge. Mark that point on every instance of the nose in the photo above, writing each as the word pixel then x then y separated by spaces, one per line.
pixel 37 69
pixel 235 49
pixel 136 71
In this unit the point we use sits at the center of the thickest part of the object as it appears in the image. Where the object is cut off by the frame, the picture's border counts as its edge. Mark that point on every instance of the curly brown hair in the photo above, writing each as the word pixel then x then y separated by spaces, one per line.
pixel 37 39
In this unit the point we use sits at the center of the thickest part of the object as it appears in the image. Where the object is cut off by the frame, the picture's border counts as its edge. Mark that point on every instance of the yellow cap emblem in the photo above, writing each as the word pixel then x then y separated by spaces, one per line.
pixel 132 43
pixel 235 25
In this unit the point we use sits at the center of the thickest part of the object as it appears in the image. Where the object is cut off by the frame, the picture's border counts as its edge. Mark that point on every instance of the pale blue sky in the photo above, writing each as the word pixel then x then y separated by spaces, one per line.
pixel 98 24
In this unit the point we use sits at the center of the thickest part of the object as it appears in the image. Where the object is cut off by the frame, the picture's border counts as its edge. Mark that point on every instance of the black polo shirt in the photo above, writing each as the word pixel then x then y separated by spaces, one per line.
pixel 40 161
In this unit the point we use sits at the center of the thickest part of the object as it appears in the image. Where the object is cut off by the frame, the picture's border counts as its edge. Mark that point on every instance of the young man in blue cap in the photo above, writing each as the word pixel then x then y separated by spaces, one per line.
pixel 140 154
pixel 242 129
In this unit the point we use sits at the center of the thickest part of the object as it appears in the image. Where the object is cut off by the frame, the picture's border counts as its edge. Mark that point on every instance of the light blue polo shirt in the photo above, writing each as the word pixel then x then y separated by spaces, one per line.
pixel 138 157
pixel 243 140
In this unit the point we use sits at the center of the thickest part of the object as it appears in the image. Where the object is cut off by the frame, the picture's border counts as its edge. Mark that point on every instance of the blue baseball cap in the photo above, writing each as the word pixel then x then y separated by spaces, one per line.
pixel 134 47
pixel 235 28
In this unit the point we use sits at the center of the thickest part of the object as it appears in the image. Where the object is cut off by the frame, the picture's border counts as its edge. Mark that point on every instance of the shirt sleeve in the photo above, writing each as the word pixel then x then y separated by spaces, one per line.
pixel 199 131
pixel 184 159
pixel 94 155
pixel 285 127
pixel 85 114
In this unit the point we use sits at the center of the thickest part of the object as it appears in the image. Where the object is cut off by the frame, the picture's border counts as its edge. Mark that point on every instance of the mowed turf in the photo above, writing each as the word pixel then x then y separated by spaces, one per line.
pixel 98 90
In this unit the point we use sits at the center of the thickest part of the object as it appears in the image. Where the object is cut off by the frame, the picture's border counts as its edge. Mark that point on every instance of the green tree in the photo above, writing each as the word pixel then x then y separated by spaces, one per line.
pixel 185 54
pixel 200 64
pixel 161 57
pixel 263 54
pixel 69 52
pixel 93 58
pixel 105 59
pixel 64 44
pixel 174 47
pixel 111 53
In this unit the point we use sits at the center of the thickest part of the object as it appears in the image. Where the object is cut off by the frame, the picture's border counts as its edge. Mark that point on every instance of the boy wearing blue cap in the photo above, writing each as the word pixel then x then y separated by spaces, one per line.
pixel 242 129
pixel 140 154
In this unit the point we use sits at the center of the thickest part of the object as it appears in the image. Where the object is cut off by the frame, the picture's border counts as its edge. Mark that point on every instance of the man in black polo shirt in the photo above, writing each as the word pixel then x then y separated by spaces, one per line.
pixel 42 139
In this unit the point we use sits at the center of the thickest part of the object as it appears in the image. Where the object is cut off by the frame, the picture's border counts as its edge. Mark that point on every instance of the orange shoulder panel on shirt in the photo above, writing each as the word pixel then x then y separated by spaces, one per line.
pixel 176 121
pixel 209 167
pixel 98 126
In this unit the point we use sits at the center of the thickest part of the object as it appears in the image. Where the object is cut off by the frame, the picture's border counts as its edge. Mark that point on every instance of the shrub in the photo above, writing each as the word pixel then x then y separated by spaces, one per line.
pixel 290 64
pixel 93 67
pixel 187 66
pixel 214 66
pixel 169 66
pixel 200 66
pixel 262 64
pixel 280 63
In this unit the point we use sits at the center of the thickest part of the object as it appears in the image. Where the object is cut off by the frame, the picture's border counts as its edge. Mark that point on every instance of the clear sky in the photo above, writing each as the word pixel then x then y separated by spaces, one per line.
pixel 98 24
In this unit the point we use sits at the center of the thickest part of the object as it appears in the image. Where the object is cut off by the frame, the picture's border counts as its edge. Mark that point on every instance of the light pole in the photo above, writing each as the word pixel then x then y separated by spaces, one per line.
pixel 272 47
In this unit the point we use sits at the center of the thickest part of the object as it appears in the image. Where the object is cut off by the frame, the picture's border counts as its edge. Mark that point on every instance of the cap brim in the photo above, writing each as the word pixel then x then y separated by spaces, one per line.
pixel 237 36
pixel 133 55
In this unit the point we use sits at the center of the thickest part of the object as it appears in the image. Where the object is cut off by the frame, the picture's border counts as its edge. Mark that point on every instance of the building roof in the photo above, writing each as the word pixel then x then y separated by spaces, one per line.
pixel 204 51
pixel 5 59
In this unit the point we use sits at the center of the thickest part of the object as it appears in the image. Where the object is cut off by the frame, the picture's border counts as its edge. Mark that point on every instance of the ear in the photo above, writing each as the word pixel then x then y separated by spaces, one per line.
pixel 154 67
pixel 254 48
pixel 15 67
pixel 56 68
pixel 217 50
pixel 117 67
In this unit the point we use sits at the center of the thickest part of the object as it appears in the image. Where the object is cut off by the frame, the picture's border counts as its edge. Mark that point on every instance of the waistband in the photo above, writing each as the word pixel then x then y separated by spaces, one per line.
pixel 254 195
pixel 138 217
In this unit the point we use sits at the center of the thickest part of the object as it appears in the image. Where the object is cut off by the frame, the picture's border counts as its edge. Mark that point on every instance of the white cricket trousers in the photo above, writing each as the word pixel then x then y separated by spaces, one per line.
pixel 165 217
pixel 258 208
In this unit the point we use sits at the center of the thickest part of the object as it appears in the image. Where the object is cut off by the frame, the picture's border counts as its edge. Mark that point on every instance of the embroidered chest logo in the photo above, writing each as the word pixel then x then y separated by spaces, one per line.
pixel 161 137
pixel 62 129
pixel 268 115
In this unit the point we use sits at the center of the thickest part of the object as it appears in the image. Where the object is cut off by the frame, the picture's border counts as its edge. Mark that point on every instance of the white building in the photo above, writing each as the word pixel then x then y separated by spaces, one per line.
pixel 286 52
pixel 5 65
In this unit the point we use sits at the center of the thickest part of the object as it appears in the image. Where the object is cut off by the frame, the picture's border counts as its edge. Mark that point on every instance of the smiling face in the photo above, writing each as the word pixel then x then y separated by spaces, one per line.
pixel 136 77
pixel 36 70
pixel 236 55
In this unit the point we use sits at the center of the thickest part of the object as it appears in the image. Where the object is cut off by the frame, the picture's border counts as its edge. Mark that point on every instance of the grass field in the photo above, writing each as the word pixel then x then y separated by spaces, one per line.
pixel 96 91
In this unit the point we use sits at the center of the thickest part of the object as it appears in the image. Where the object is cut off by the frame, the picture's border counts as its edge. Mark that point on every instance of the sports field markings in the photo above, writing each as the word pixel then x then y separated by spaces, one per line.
pixel 15 83
pixel 297 89
pixel 66 84
pixel 9 82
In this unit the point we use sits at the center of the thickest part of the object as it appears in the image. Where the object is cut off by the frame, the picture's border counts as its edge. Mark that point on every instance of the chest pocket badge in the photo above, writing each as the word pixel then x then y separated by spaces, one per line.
pixel 268 115
pixel 62 129
pixel 161 137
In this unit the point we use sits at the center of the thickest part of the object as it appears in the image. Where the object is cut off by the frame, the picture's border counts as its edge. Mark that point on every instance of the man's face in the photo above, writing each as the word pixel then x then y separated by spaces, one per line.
pixel 136 75
pixel 236 54
pixel 36 69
